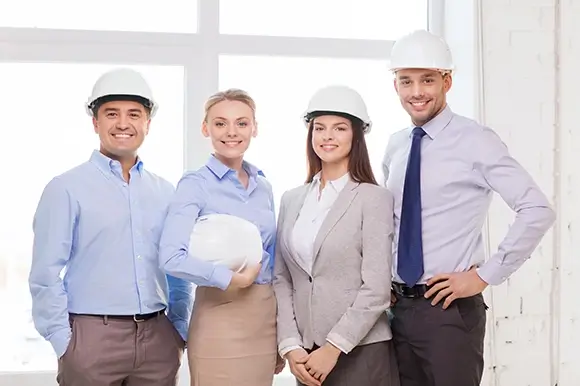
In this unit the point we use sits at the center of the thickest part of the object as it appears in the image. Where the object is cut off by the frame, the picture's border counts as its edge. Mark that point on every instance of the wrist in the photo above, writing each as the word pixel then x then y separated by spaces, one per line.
pixel 333 349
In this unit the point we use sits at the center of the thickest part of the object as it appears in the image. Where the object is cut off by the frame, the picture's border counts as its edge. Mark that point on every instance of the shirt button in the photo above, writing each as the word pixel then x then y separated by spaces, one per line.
pixel 138 256
pixel 310 279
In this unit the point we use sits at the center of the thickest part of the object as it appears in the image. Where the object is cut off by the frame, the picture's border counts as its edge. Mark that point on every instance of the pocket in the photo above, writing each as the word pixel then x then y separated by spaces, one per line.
pixel 176 337
pixel 72 342
pixel 471 312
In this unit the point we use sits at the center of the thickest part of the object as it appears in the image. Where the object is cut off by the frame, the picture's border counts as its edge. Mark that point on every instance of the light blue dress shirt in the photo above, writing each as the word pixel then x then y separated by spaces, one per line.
pixel 105 233
pixel 215 188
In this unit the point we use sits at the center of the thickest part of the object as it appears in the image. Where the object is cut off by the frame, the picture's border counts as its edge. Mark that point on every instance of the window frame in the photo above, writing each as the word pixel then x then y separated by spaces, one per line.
pixel 197 52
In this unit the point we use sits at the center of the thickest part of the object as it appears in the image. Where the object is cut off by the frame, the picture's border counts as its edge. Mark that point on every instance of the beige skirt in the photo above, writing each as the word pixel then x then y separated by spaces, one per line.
pixel 232 337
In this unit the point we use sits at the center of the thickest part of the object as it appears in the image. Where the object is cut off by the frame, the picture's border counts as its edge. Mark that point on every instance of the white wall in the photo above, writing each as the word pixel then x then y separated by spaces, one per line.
pixel 530 49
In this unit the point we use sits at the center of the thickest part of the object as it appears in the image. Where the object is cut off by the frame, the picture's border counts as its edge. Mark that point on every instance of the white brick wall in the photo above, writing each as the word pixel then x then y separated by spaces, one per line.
pixel 531 52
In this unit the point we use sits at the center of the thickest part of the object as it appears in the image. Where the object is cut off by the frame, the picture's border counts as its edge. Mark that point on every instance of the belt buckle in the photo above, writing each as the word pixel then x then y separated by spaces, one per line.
pixel 137 320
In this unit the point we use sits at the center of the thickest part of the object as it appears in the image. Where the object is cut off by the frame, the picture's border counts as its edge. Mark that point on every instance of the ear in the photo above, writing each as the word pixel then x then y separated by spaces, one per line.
pixel 447 82
pixel 255 130
pixel 95 125
pixel 204 129
pixel 147 127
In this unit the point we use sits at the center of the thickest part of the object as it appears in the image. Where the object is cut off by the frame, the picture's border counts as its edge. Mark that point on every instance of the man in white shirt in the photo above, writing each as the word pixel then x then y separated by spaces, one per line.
pixel 443 171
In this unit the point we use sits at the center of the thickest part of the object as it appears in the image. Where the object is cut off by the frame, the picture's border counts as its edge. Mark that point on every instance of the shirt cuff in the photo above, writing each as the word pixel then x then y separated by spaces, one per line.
pixel 340 343
pixel 337 346
pixel 221 277
pixel 60 341
pixel 286 350
pixel 493 272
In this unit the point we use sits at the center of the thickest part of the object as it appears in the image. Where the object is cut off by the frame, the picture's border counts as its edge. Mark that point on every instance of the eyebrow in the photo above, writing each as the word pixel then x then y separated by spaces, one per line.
pixel 109 109
pixel 225 119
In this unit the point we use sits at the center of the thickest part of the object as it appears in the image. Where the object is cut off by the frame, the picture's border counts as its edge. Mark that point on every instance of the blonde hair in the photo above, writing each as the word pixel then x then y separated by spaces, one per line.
pixel 232 94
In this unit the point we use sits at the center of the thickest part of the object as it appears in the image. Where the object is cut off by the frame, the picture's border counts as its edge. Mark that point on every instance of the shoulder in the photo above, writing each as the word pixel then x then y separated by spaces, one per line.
pixel 293 194
pixel 67 180
pixel 158 182
pixel 374 191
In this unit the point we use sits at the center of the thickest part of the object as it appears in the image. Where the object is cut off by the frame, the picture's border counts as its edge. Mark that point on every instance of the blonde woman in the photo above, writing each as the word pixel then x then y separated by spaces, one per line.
pixel 232 334
pixel 333 255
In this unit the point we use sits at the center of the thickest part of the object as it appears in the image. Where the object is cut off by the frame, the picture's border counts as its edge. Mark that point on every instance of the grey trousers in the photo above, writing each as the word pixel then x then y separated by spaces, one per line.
pixel 115 352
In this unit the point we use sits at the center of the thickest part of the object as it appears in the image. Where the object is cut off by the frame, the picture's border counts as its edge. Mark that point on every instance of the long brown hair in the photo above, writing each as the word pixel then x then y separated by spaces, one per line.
pixel 359 164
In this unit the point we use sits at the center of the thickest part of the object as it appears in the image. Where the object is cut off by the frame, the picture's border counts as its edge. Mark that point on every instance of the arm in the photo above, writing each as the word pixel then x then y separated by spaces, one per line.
pixel 53 227
pixel 288 336
pixel 534 215
pixel 174 259
pixel 180 304
pixel 374 295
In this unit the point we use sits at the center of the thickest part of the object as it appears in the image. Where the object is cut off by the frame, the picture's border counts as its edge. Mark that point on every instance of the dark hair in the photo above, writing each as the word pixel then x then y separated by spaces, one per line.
pixel 359 164
pixel 96 105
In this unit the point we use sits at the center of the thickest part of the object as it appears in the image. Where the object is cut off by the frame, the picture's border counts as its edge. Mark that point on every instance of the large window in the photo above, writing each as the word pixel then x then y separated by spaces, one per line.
pixel 282 87
pixel 344 19
pixel 46 132
pixel 106 15
pixel 53 51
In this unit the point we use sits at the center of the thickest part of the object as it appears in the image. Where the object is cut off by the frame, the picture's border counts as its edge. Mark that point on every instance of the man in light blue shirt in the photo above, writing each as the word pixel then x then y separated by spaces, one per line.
pixel 115 318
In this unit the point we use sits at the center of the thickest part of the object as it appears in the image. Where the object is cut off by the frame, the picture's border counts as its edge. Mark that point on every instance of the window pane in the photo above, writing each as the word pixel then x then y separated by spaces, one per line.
pixel 348 19
pixel 279 148
pixel 178 16
pixel 46 132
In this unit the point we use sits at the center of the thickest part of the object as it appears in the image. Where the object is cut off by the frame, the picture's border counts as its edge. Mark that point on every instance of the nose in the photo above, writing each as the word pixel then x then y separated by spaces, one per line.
pixel 328 135
pixel 417 91
pixel 123 123
pixel 232 131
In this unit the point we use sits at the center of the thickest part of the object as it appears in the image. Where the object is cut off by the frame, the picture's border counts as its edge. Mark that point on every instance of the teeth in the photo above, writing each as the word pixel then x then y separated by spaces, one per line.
pixel 122 136
pixel 418 103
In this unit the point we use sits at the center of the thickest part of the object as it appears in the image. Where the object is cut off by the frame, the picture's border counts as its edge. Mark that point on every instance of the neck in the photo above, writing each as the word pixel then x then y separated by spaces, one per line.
pixel 333 171
pixel 126 161
pixel 232 163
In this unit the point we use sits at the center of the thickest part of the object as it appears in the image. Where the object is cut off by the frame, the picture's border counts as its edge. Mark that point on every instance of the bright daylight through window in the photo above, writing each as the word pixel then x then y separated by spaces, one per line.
pixel 46 130
pixel 282 87
pixel 343 19
pixel 110 15
pixel 49 133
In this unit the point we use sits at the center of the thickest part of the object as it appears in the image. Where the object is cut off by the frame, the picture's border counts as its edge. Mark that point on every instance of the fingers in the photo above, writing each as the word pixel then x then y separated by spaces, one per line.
pixel 448 300
pixel 436 278
pixel 436 288
pixel 441 294
pixel 303 360
pixel 307 378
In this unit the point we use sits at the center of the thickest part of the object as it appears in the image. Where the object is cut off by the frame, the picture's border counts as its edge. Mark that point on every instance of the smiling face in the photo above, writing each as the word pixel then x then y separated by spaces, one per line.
pixel 422 93
pixel 122 127
pixel 231 126
pixel 332 138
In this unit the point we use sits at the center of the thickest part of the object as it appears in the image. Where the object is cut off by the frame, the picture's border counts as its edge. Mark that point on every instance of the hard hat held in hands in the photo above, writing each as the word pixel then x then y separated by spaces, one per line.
pixel 421 49
pixel 124 83
pixel 226 240
pixel 338 99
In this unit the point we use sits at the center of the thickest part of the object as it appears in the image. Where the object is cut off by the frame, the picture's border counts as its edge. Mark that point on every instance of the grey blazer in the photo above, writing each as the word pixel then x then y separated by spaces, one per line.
pixel 345 298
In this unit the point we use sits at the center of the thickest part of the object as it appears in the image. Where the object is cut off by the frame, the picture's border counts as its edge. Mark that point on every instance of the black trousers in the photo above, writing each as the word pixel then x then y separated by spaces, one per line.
pixel 437 347
pixel 368 365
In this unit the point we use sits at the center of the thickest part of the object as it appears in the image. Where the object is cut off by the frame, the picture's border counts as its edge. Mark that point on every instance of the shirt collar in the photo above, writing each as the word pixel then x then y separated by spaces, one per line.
pixel 108 165
pixel 220 170
pixel 337 184
pixel 437 124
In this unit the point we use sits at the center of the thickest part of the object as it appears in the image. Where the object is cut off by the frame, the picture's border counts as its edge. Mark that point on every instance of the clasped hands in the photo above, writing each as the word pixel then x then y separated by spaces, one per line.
pixel 313 369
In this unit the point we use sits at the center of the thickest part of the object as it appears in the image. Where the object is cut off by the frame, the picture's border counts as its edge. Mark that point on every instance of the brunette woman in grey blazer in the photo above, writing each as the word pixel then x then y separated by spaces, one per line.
pixel 333 257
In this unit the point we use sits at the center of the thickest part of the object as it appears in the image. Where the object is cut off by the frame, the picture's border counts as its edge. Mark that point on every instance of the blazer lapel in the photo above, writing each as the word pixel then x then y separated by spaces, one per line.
pixel 338 209
pixel 292 213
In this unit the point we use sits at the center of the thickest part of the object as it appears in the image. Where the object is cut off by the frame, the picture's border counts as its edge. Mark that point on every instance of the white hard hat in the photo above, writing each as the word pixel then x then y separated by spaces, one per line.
pixel 341 100
pixel 226 240
pixel 421 49
pixel 121 84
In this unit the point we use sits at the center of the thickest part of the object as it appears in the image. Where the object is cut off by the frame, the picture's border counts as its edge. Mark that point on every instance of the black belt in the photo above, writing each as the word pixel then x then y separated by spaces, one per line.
pixel 136 318
pixel 415 291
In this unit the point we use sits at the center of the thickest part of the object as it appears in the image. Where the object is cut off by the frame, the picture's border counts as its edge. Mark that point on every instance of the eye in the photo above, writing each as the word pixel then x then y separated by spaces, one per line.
pixel 111 114
pixel 220 124
pixel 243 124
pixel 135 115
pixel 318 128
